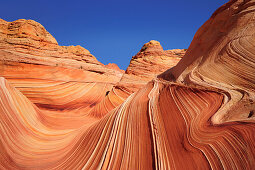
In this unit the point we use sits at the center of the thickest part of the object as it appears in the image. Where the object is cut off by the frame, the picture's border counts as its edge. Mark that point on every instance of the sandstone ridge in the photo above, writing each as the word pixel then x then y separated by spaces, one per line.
pixel 198 114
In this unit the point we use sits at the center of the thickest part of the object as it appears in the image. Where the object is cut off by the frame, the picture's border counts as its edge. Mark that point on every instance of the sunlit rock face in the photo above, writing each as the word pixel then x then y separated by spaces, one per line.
pixel 57 78
pixel 196 115
pixel 150 61
pixel 53 77
pixel 221 57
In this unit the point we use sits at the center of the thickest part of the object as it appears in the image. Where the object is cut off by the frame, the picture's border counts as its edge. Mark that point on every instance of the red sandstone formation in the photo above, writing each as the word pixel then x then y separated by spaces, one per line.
pixel 221 58
pixel 53 77
pixel 196 115
pixel 114 67
pixel 150 61
pixel 34 63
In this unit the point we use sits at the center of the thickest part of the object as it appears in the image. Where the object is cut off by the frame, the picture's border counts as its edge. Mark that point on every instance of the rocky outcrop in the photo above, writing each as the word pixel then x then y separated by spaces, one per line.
pixel 150 61
pixel 221 57
pixel 53 77
pixel 33 62
pixel 30 39
pixel 26 32
pixel 114 67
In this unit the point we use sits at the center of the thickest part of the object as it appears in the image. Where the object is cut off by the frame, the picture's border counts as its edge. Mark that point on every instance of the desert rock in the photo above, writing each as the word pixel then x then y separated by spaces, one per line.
pixel 198 114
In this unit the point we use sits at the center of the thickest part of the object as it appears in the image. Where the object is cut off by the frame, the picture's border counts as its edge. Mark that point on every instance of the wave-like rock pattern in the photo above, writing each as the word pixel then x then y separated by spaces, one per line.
pixel 196 115
pixel 221 57
pixel 53 77
pixel 118 140
pixel 150 61
pixel 66 77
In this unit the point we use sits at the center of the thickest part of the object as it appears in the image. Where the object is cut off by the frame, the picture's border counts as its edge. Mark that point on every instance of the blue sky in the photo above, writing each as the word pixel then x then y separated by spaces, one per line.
pixel 115 30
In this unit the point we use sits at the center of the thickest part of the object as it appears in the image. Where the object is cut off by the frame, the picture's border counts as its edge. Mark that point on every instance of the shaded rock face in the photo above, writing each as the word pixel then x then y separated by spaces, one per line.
pixel 196 115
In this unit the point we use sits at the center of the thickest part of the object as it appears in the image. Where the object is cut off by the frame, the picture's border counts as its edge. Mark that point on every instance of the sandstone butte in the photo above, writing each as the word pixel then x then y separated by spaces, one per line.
pixel 62 109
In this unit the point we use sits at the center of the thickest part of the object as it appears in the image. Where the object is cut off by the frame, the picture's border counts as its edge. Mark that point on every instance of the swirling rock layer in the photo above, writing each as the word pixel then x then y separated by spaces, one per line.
pixel 196 115
pixel 62 77
pixel 53 77
pixel 150 61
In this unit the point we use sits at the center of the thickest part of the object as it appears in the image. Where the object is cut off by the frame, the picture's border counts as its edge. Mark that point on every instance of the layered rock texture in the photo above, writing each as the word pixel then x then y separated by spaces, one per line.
pixel 53 77
pixel 61 77
pixel 150 61
pixel 198 114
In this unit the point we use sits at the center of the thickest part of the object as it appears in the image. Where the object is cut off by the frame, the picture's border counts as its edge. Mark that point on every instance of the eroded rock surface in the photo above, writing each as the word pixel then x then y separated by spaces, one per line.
pixel 51 76
pixel 150 61
pixel 196 115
